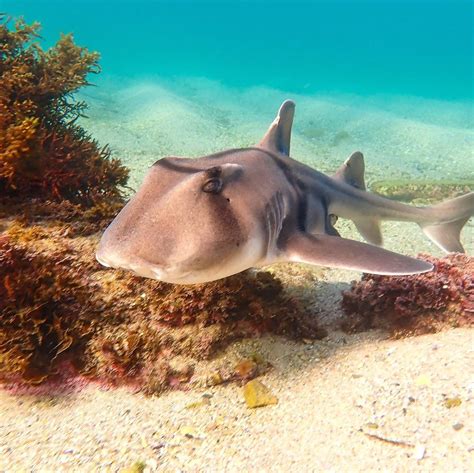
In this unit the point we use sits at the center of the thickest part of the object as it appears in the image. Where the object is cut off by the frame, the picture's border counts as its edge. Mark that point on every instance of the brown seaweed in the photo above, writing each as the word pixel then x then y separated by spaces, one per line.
pixel 44 153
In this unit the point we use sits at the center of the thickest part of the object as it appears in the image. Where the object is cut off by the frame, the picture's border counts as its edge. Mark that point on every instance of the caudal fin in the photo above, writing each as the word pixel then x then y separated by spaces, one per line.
pixel 446 235
pixel 452 215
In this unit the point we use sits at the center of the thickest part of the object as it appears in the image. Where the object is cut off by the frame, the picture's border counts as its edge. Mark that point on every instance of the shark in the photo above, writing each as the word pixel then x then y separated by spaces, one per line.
pixel 195 220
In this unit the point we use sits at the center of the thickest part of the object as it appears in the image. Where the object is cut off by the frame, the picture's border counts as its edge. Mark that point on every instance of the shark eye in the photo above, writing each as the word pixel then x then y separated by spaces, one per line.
pixel 212 186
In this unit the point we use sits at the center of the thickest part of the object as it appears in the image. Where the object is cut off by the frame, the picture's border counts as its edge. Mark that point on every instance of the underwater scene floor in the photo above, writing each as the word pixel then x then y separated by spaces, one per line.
pixel 348 402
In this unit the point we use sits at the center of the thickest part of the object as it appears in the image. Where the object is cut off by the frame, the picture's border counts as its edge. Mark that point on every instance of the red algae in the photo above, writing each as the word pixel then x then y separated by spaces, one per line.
pixel 417 304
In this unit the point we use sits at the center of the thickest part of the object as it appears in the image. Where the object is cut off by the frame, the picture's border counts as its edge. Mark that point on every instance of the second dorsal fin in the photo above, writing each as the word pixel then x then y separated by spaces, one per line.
pixel 352 171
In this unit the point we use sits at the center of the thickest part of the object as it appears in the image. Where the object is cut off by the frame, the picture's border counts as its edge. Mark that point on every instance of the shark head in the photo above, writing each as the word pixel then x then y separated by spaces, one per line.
pixel 183 225
pixel 198 220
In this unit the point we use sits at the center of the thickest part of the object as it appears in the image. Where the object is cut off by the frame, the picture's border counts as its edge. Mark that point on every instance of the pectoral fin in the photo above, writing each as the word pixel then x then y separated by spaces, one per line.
pixel 332 251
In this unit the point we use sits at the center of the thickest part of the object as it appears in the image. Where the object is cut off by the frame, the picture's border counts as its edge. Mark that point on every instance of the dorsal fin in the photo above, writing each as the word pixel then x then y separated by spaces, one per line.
pixel 352 171
pixel 278 136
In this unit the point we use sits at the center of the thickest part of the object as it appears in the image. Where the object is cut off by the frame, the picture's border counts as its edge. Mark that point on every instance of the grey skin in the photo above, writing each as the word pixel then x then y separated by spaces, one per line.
pixel 198 220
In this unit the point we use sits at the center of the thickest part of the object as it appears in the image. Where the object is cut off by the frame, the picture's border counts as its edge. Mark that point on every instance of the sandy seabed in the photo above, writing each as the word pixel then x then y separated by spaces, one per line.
pixel 346 403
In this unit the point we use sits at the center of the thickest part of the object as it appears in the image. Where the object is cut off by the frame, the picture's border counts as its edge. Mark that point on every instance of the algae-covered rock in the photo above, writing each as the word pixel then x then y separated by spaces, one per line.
pixel 60 306
pixel 256 394
pixel 414 304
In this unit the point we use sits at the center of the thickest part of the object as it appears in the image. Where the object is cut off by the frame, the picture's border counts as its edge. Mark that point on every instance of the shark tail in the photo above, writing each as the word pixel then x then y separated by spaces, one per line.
pixel 451 216
pixel 441 223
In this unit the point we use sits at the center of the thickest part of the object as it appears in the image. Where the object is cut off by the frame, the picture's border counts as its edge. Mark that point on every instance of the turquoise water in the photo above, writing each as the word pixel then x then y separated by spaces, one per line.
pixel 421 48
pixel 391 78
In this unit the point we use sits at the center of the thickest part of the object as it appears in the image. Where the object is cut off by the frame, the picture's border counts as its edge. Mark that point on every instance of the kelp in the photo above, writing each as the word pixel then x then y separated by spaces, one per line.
pixel 44 153
pixel 416 304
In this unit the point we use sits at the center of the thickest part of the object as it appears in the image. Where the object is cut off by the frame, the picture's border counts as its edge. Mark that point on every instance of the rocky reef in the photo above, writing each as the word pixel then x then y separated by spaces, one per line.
pixel 417 304
pixel 421 191
pixel 59 307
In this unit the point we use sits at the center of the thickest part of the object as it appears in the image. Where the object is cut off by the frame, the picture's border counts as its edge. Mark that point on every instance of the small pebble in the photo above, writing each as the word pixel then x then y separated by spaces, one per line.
pixel 257 394
pixel 419 452
pixel 451 402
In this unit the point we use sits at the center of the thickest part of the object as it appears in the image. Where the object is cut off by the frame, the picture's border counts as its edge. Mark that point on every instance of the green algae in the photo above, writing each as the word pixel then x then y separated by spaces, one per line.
pixel 421 191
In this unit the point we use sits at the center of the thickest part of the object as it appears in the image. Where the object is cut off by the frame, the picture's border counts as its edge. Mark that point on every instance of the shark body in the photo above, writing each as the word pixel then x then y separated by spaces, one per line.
pixel 202 219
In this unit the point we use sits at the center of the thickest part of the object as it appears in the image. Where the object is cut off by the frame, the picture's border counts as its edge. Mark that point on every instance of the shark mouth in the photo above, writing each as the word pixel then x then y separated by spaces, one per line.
pixel 139 266
pixel 146 269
